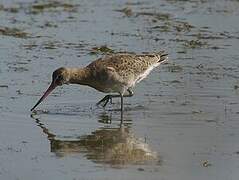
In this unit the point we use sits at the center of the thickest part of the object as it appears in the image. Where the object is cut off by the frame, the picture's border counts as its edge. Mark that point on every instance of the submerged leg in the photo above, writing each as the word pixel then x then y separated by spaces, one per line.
pixel 109 97
pixel 122 107
pixel 122 103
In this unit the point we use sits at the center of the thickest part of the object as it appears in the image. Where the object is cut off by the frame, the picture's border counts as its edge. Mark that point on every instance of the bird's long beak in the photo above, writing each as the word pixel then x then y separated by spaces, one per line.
pixel 48 91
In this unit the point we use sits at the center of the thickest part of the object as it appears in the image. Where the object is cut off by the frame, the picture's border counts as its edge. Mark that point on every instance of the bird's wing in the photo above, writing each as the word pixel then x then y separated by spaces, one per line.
pixel 105 73
pixel 125 68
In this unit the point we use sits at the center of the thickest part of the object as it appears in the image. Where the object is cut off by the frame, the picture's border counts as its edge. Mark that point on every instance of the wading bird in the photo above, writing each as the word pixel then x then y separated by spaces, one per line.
pixel 117 73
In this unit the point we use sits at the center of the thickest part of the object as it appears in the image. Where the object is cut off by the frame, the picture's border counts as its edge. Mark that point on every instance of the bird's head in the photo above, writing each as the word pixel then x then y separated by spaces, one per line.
pixel 59 77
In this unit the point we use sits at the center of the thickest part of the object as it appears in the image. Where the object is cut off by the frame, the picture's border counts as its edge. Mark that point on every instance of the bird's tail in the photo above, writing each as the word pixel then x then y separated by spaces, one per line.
pixel 162 56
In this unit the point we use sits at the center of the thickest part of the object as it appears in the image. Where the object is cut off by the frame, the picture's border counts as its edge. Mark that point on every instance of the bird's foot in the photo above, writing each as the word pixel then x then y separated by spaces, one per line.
pixel 105 100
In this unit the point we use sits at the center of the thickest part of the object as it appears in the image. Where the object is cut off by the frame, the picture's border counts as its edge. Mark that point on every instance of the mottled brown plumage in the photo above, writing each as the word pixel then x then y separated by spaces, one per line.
pixel 116 73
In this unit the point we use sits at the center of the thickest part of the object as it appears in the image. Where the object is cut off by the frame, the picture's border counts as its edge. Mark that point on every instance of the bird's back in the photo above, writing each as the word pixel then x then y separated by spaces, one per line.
pixel 127 68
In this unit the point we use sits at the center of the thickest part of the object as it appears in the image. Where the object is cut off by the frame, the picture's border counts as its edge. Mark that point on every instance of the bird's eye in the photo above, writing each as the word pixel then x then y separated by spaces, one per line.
pixel 60 77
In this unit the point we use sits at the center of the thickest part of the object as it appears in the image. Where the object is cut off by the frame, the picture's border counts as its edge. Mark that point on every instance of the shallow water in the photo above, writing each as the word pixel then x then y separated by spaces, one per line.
pixel 182 122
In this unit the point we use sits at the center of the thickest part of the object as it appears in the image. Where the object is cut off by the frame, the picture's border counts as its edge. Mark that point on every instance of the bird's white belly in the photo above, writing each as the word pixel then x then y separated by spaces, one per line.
pixel 145 73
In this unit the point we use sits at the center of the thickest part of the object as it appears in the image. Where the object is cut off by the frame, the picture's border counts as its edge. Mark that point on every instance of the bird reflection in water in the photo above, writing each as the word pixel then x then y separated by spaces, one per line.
pixel 115 146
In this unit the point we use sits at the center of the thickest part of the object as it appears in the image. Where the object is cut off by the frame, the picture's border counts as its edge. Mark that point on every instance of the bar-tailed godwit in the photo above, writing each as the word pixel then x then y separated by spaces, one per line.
pixel 117 73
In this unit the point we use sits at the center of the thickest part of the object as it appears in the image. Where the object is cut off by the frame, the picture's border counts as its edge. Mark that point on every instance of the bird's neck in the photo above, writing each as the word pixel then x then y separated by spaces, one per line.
pixel 79 76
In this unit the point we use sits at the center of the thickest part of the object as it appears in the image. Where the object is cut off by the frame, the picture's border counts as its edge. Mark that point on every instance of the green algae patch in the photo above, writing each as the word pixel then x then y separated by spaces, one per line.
pixel 52 6
pixel 101 49
pixel 156 16
pixel 13 9
pixel 127 11
pixel 193 44
pixel 15 32
pixel 174 68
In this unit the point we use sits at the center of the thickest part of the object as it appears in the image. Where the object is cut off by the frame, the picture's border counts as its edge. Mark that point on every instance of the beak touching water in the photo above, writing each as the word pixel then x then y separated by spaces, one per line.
pixel 48 91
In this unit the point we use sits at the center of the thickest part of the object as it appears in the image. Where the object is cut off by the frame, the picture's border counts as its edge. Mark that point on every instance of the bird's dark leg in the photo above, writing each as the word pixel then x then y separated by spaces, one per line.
pixel 109 97
pixel 106 99
pixel 122 106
